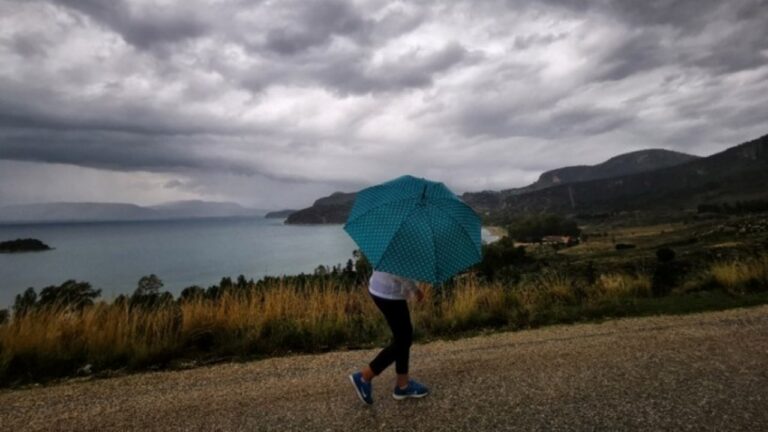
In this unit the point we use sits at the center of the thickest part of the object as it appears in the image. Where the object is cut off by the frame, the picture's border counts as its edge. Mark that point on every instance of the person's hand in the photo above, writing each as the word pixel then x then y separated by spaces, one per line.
pixel 419 295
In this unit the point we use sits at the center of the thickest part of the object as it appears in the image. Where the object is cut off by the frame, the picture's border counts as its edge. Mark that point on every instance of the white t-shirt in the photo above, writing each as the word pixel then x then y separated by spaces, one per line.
pixel 391 287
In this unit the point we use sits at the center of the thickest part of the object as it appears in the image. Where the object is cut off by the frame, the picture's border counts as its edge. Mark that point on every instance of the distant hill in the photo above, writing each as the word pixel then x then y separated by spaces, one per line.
pixel 624 164
pixel 628 163
pixel 95 211
pixel 643 180
pixel 336 207
pixel 280 214
pixel 332 209
pixel 198 208
pixel 738 173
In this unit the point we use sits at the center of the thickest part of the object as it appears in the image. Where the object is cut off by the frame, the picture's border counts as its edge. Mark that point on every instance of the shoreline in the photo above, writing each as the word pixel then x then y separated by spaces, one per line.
pixel 496 231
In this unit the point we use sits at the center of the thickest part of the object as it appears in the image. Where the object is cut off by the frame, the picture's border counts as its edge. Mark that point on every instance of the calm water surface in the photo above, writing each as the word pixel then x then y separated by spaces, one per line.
pixel 113 256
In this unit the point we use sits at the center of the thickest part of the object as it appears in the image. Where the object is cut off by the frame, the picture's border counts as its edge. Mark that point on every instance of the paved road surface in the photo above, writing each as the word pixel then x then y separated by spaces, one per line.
pixel 696 372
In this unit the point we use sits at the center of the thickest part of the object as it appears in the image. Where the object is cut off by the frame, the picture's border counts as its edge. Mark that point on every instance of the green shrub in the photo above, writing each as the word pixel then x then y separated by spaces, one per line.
pixel 533 228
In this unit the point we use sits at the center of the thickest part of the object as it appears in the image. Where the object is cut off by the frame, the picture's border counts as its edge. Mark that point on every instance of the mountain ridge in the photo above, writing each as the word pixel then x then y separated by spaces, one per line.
pixel 737 173
pixel 616 166
pixel 335 207
pixel 88 211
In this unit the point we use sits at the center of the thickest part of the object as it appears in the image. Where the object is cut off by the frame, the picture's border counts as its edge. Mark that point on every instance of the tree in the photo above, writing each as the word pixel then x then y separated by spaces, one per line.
pixel 148 286
pixel 25 302
pixel 71 295
pixel 499 255
pixel 226 283
pixel 148 293
pixel 321 270
pixel 191 293
pixel 363 267
pixel 4 316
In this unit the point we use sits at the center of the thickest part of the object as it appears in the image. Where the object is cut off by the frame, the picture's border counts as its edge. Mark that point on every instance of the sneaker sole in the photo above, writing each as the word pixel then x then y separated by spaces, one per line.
pixel 357 391
pixel 417 396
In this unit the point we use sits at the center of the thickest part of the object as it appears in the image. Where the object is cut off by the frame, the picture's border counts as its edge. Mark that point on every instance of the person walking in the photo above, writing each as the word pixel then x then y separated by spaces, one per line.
pixel 410 229
pixel 390 294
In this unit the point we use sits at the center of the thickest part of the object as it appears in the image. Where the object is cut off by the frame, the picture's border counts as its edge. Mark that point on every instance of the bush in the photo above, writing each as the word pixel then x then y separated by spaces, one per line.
pixel 500 258
pixel 668 272
pixel 534 228
pixel 665 254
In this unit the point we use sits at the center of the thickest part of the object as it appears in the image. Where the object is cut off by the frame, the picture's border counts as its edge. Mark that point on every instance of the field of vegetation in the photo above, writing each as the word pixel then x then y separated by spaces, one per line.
pixel 618 268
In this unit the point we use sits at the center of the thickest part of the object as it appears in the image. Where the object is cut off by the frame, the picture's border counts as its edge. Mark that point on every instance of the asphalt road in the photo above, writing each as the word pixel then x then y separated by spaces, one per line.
pixel 697 372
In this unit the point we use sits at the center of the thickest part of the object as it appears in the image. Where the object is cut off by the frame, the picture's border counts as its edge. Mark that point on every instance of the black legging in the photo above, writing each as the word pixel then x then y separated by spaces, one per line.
pixel 399 320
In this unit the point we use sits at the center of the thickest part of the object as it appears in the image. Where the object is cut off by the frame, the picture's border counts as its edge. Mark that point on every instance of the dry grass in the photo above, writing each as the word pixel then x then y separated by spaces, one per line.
pixel 621 286
pixel 283 317
pixel 56 340
pixel 742 276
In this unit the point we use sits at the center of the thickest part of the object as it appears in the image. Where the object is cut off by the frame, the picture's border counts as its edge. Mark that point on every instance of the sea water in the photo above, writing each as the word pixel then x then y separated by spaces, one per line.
pixel 113 256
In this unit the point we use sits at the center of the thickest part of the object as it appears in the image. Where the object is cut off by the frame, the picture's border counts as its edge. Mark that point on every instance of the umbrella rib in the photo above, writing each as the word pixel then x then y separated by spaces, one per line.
pixel 434 248
pixel 397 231
pixel 458 222
pixel 378 206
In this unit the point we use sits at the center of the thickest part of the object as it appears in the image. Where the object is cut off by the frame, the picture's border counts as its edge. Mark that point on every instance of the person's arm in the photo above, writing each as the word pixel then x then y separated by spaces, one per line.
pixel 411 290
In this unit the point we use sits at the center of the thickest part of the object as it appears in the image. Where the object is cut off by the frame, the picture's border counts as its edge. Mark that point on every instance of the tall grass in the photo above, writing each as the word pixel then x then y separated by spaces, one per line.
pixel 743 275
pixel 621 286
pixel 285 317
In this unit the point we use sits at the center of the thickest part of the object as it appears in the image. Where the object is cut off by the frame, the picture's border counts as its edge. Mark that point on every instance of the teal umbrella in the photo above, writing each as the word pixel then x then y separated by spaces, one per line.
pixel 415 228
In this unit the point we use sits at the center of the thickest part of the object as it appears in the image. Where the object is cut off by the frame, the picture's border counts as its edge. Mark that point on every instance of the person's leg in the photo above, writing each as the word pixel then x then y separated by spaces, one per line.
pixel 398 318
pixel 404 331
pixel 368 374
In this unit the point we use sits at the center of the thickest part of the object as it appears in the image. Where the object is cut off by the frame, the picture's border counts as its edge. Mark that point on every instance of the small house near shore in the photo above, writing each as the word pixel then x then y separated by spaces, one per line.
pixel 557 240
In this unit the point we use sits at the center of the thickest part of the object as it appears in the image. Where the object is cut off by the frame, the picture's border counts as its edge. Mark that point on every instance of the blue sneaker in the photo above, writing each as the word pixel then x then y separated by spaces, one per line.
pixel 413 390
pixel 363 389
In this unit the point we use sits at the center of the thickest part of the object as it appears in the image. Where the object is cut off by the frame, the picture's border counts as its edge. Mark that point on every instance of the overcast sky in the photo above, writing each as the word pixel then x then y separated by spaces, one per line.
pixel 274 104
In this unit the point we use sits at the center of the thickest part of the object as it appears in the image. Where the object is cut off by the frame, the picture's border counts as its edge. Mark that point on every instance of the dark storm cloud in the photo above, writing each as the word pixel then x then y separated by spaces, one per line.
pixel 533 40
pixel 127 152
pixel 115 116
pixel 691 37
pixel 683 14
pixel 29 45
pixel 142 27
pixel 411 70
pixel 638 53
pixel 340 92
pixel 723 36
pixel 731 35
pixel 312 24
pixel 122 152
pixel 563 123
pixel 357 74
pixel 297 45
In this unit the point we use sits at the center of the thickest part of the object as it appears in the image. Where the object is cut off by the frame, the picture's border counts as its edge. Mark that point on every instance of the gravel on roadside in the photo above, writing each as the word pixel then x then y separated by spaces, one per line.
pixel 699 372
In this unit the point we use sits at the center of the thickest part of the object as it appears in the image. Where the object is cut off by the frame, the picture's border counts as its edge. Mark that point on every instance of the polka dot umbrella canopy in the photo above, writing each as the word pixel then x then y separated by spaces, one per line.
pixel 415 228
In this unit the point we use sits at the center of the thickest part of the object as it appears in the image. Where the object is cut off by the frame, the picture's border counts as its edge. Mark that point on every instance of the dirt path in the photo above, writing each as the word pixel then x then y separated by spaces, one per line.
pixel 696 372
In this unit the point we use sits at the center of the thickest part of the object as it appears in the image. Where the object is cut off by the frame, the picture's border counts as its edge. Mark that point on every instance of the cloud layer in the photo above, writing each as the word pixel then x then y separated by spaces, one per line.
pixel 275 103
